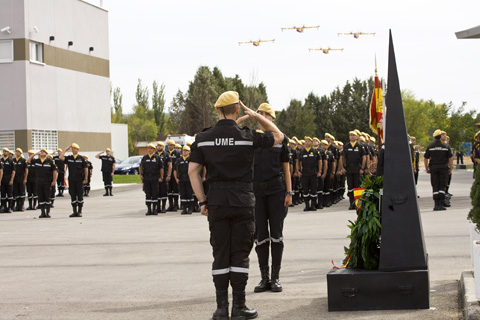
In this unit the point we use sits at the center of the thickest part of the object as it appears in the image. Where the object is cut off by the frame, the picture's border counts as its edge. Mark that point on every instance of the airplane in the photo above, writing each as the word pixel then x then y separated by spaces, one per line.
pixel 256 43
pixel 326 51
pixel 356 35
pixel 300 29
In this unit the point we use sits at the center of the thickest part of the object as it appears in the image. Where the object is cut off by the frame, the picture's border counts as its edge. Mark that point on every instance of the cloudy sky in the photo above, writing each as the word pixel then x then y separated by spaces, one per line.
pixel 167 41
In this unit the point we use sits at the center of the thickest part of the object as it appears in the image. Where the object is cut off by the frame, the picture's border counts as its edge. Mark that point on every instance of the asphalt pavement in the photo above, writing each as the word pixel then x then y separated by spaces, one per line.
pixel 117 263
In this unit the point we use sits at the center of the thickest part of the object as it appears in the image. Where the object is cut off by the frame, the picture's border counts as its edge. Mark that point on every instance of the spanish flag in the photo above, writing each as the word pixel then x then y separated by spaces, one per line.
pixel 376 107
pixel 357 193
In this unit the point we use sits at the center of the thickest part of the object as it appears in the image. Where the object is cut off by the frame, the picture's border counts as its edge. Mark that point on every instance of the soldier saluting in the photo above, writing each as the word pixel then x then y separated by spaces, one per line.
pixel 108 168
pixel 227 152
pixel 77 177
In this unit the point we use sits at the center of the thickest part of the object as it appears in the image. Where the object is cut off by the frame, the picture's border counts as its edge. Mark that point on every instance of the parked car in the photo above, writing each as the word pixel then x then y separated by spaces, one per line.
pixel 128 166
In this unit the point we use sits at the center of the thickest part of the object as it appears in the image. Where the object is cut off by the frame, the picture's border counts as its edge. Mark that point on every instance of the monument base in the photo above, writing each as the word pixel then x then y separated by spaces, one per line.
pixel 355 289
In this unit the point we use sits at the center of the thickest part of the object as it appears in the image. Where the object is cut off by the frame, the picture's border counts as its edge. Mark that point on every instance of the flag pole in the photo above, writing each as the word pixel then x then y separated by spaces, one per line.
pixel 379 138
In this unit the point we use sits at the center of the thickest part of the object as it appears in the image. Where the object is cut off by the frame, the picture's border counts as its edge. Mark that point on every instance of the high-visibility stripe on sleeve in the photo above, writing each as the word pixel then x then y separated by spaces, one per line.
pixel 244 143
pixel 205 144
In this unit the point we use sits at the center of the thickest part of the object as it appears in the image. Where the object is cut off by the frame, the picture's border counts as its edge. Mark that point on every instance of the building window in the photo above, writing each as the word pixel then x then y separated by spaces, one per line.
pixel 6 51
pixel 7 139
pixel 47 139
pixel 36 51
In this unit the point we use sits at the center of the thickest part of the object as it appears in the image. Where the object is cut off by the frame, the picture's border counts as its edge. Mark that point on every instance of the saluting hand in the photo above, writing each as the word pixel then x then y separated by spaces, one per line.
pixel 248 112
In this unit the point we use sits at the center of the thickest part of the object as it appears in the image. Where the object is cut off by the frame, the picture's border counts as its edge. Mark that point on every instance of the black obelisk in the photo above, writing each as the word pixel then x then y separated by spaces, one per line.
pixel 402 243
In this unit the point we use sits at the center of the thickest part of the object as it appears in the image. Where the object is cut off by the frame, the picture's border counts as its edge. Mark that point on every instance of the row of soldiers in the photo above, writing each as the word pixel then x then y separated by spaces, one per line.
pixel 320 168
pixel 35 178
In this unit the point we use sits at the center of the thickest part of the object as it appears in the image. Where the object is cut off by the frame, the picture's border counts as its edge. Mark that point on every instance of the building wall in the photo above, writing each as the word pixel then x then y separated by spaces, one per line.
pixel 119 136
pixel 70 90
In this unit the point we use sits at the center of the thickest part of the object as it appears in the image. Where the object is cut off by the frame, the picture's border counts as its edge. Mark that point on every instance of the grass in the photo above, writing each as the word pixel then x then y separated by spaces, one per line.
pixel 133 178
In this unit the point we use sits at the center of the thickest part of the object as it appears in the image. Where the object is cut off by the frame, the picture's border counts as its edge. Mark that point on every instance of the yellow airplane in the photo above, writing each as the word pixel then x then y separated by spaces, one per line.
pixel 256 43
pixel 301 29
pixel 356 35
pixel 326 51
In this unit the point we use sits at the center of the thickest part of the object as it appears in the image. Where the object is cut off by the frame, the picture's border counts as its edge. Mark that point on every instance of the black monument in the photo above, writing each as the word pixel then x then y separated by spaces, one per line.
pixel 401 281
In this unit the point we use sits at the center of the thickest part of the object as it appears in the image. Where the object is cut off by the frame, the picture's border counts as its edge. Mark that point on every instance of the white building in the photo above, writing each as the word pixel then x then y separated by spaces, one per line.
pixel 55 77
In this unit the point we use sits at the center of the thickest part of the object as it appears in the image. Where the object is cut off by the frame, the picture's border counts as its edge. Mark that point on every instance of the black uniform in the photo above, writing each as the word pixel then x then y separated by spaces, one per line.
pixel 295 180
pixel 60 164
pixel 43 182
pixel 353 154
pixel 31 188
pixel 184 185
pixel 21 169
pixel 107 170
pixel 309 160
pixel 334 183
pixel 227 152
pixel 327 182
pixel 7 189
pixel 415 163
pixel 475 154
pixel 269 189
pixel 76 175
pixel 439 154
pixel 151 166
pixel 323 157
pixel 163 186
pixel 86 187
pixel 172 185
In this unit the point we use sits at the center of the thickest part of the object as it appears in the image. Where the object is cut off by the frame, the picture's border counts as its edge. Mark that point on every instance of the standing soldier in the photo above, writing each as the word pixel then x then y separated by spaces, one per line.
pixel 108 168
pixel 7 182
pixel 31 189
pixel 416 159
pixel 322 170
pixel 310 168
pixel 446 202
pixel 336 156
pixel 354 164
pixel 272 187
pixel 45 177
pixel 86 187
pixel 438 160
pixel 77 177
pixel 151 173
pixel 61 173
pixel 181 177
pixel 21 176
pixel 341 171
pixel 228 151
pixel 296 172
pixel 172 184
pixel 167 172
pixel 328 173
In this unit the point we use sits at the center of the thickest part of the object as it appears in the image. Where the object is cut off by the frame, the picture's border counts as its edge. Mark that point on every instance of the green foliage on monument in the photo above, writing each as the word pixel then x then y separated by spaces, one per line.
pixel 364 249
pixel 474 214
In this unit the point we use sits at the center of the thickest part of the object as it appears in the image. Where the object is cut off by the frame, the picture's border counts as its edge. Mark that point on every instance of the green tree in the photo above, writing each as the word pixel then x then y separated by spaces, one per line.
pixel 297 120
pixel 117 105
pixel 141 127
pixel 158 106
pixel 177 116
pixel 142 95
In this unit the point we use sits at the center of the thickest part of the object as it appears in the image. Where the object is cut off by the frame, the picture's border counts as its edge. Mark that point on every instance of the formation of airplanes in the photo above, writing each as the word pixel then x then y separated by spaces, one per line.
pixel 301 29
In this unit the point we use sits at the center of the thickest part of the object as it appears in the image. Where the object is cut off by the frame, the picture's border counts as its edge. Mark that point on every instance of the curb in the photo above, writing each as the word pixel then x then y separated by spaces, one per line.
pixel 471 306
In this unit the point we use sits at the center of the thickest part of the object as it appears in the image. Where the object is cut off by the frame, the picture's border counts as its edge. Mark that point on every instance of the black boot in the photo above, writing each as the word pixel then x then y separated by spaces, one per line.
pixel 239 310
pixel 149 209
pixel 436 207
pixel 164 202
pixel 3 206
pixel 184 205
pixel 42 214
pixel 189 207
pixel 34 203
pixel 276 285
pixel 264 284
pixel 446 203
pixel 110 189
pixel 175 203
pixel 16 203
pixel 154 209
pixel 74 214
pixel 10 206
pixel 196 208
pixel 319 201
pixel 222 306
pixel 21 204
pixel 441 205
pixel 307 205
pixel 30 201
pixel 80 207
pixel 106 192
pixel 51 203
pixel 313 206
pixel 47 211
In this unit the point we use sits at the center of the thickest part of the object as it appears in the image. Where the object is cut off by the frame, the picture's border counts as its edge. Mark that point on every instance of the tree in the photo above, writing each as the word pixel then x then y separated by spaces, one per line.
pixel 297 120
pixel 141 95
pixel 177 117
pixel 141 127
pixel 117 105
pixel 158 106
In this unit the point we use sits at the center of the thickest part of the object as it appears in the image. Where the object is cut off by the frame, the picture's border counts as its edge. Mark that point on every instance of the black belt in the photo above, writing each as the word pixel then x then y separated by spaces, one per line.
pixel 268 184
pixel 230 185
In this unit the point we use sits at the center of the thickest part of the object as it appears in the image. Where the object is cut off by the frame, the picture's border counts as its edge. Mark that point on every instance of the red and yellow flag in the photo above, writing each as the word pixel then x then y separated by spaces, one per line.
pixel 376 107
pixel 357 193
